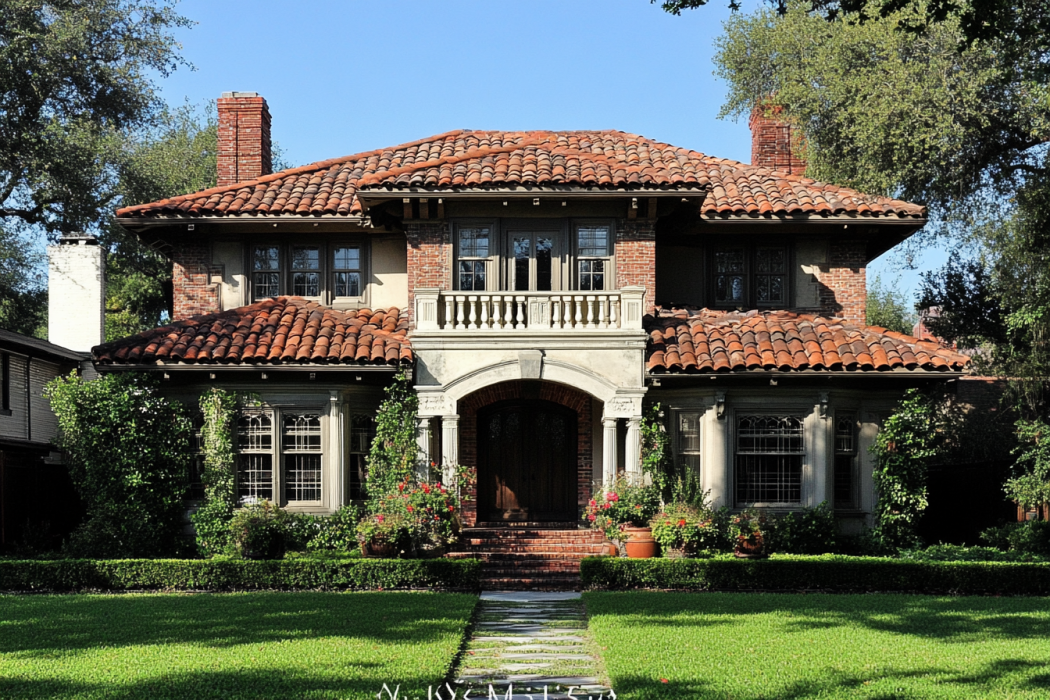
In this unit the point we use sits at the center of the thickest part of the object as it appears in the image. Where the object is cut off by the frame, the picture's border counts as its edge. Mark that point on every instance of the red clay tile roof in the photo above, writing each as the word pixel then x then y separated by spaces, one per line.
pixel 704 340
pixel 473 160
pixel 282 331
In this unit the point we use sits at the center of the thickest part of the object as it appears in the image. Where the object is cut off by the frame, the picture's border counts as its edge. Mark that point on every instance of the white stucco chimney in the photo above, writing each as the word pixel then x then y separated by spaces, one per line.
pixel 76 284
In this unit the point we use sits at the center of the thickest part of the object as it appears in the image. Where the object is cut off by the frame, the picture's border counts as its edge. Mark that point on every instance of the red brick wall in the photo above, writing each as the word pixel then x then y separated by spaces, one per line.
pixel 191 274
pixel 842 282
pixel 775 144
pixel 636 257
pixel 549 391
pixel 429 259
pixel 244 138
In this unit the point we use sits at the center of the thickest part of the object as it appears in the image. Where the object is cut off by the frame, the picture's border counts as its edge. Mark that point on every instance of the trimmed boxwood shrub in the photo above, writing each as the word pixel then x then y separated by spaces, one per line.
pixel 237 574
pixel 828 573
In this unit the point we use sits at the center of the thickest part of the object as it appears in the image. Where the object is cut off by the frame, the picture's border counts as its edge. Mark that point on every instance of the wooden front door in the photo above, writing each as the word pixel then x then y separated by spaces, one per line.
pixel 527 462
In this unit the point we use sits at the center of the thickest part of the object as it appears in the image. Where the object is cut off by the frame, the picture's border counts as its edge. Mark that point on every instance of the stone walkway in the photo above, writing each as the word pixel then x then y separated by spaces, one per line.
pixel 531 641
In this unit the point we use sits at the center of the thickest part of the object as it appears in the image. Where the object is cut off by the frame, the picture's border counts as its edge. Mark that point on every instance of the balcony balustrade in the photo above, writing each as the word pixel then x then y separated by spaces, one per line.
pixel 439 310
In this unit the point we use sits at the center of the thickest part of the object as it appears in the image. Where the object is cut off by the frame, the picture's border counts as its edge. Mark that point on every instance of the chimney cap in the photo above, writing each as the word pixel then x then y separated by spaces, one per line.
pixel 240 94
pixel 77 239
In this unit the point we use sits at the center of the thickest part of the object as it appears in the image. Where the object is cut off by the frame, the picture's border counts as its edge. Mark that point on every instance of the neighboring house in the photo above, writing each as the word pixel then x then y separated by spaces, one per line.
pixel 538 286
pixel 37 499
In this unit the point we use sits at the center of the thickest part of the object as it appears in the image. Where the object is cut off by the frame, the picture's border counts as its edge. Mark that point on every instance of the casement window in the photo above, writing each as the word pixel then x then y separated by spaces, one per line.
pixel 362 431
pixel 280 457
pixel 473 251
pixel 195 488
pixel 327 273
pixel 845 491
pixel 770 451
pixel 750 276
pixel 687 442
pixel 593 260
pixel 535 261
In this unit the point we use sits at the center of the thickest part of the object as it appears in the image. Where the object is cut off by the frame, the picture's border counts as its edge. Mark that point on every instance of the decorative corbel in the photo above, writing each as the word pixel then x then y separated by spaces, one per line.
pixel 823 404
pixel 720 404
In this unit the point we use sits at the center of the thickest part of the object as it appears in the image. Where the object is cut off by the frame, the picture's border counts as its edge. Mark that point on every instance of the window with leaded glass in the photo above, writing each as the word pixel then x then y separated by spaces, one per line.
pixel 301 456
pixel 770 451
pixel 687 444
pixel 362 430
pixel 346 271
pixel 770 276
pixel 472 261
pixel 730 268
pixel 195 488
pixel 266 272
pixel 306 271
pixel 845 461
pixel 255 457
pixel 592 252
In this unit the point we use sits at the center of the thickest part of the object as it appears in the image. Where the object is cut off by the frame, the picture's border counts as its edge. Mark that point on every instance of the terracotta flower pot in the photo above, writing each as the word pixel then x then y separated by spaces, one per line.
pixel 751 550
pixel 609 549
pixel 383 550
pixel 640 543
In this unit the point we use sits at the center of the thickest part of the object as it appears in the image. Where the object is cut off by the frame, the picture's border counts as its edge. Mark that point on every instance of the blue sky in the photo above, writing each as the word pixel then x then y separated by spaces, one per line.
pixel 342 77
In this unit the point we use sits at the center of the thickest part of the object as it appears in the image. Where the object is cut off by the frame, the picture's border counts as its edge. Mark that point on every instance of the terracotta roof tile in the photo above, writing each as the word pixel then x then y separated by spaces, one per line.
pixel 498 159
pixel 286 330
pixel 706 340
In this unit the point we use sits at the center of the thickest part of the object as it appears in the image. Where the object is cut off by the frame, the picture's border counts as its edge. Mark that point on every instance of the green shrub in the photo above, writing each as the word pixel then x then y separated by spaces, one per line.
pixel 682 526
pixel 828 572
pixel 394 529
pixel 808 531
pixel 954 552
pixel 1030 537
pixel 336 532
pixel 238 574
pixel 623 504
pixel 211 521
pixel 259 531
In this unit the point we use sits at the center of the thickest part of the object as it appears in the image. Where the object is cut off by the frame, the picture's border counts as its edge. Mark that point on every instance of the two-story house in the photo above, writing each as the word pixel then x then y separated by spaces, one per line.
pixel 538 286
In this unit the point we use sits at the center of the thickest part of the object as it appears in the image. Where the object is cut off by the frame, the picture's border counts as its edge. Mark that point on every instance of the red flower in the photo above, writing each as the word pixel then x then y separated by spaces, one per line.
pixel 591 517
pixel 450 509
pixel 410 509
pixel 379 518
pixel 401 487
pixel 681 523
pixel 606 506
pixel 612 497
pixel 664 680
pixel 638 507
pixel 593 503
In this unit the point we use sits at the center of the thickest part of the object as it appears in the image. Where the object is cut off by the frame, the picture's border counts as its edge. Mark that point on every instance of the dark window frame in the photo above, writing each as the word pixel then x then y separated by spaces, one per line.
pixel 750 275
pixel 327 246
pixel 795 460
pixel 845 460
pixel 5 384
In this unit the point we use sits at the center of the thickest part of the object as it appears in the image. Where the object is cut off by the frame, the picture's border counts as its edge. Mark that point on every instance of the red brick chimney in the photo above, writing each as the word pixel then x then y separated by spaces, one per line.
pixel 244 137
pixel 775 143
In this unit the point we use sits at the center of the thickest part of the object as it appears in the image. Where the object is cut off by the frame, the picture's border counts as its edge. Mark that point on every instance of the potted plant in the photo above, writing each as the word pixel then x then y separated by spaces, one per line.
pixel 384 535
pixel 624 511
pixel 681 529
pixel 748 527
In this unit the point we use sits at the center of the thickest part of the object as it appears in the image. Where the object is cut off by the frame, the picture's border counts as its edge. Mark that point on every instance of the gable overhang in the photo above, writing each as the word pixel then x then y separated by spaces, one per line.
pixel 376 196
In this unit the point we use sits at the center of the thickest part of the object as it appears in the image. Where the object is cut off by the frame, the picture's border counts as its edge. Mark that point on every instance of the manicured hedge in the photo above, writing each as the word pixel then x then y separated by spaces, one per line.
pixel 221 575
pixel 827 573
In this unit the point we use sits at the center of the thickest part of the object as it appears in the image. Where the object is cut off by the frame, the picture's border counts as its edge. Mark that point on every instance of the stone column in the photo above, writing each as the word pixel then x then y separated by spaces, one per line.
pixel 449 446
pixel 423 445
pixel 633 449
pixel 337 494
pixel 608 451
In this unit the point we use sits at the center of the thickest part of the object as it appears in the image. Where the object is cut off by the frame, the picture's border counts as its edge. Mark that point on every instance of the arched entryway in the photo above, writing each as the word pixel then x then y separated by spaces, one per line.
pixel 527 462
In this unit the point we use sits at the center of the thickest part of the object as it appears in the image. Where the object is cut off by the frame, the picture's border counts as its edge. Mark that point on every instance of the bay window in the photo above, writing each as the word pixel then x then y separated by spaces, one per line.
pixel 297 450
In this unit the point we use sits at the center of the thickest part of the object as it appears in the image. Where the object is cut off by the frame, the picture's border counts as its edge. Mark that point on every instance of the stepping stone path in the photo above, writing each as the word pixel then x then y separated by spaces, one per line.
pixel 527 641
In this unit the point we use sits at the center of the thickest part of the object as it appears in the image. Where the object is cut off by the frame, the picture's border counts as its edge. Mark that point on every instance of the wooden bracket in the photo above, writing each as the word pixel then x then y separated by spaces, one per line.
pixel 652 207
pixel 407 202
pixel 424 208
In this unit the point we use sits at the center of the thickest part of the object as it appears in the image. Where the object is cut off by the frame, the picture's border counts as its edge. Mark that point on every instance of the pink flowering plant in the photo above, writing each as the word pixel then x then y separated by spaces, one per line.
pixel 429 511
pixel 383 528
pixel 620 505
pixel 690 529
pixel 747 527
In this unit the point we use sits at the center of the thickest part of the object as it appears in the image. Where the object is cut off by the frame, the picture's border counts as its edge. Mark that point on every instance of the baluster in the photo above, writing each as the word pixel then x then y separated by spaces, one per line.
pixel 590 311
pixel 579 312
pixel 614 304
pixel 567 303
pixel 521 312
pixel 555 312
pixel 602 300
pixel 509 318
pixel 448 313
pixel 484 312
pixel 472 306
pixel 497 312
pixel 459 312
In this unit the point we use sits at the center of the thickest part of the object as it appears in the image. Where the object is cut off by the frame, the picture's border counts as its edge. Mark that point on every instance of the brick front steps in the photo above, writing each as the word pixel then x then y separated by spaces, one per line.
pixel 517 558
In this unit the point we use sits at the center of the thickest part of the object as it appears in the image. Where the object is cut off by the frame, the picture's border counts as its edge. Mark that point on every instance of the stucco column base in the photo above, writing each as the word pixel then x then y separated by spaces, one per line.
pixel 449 447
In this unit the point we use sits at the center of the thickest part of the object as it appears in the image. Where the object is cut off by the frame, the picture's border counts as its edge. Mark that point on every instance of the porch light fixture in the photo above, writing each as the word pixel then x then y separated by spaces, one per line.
pixel 357 377
pixel 823 404
pixel 211 375
pixel 535 201
pixel 191 227
pixel 772 381
pixel 720 404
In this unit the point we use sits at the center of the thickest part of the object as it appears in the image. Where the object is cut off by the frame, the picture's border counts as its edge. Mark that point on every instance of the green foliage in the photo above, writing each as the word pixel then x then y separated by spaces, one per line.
pixel 908 441
pixel 623 504
pixel 259 531
pixel 262 645
pixel 685 527
pixel 808 531
pixel 954 552
pixel 395 529
pixel 23 284
pixel 888 307
pixel 828 573
pixel 416 516
pixel 237 574
pixel 218 440
pixel 1030 483
pixel 335 533
pixel 1029 537
pixel 655 445
pixel 127 449
pixel 394 454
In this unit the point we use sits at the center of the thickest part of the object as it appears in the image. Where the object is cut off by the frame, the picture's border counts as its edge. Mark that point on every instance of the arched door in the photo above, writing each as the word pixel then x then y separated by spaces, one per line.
pixel 527 462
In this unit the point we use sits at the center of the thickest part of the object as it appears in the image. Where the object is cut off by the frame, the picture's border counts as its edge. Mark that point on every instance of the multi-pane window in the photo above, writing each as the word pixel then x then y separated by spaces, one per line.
pixel 770 451
pixel 362 431
pixel 730 276
pixel 473 257
pixel 195 489
pixel 266 272
pixel 306 271
pixel 592 250
pixel 5 382
pixel 346 271
pixel 255 458
pixel 687 448
pixel 301 455
pixel 845 461
pixel 770 276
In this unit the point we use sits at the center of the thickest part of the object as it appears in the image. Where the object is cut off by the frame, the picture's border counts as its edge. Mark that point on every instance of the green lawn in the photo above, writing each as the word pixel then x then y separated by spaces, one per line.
pixel 253 645
pixel 748 646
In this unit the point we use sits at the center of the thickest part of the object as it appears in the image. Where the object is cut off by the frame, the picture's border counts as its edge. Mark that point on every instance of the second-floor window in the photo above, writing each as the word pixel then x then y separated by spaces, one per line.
pixel 592 257
pixel 473 259
pixel 328 273
pixel 748 276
